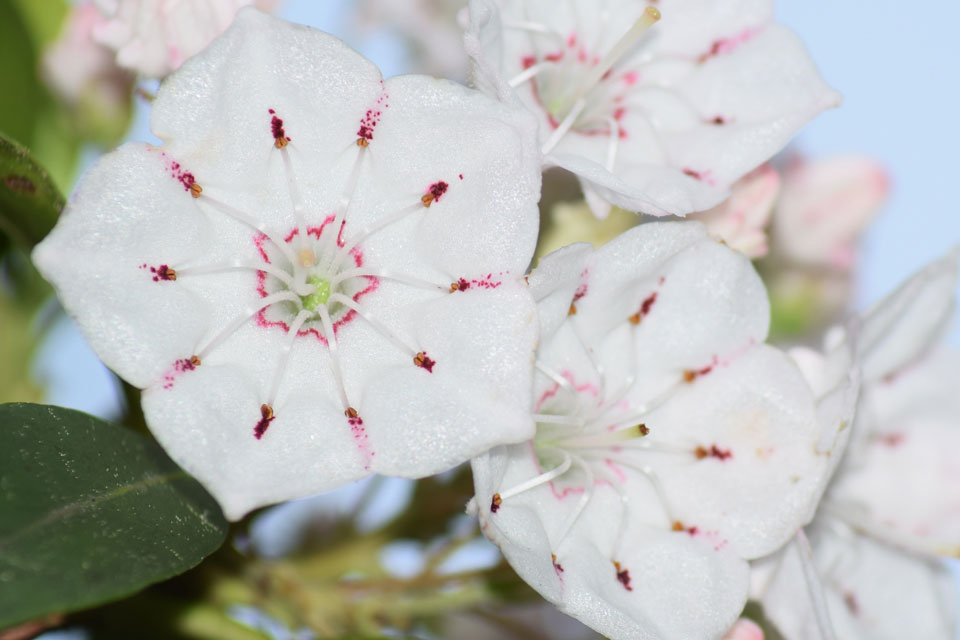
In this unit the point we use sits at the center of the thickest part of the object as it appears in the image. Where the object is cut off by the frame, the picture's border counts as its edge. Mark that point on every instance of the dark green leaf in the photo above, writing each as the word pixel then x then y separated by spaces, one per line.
pixel 91 512
pixel 29 201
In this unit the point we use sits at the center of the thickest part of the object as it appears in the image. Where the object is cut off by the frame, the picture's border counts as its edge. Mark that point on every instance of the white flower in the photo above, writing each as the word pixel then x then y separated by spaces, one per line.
pixel 654 115
pixel 671 443
pixel 825 206
pixel 76 66
pixel 314 279
pixel 154 37
pixel 739 221
pixel 893 503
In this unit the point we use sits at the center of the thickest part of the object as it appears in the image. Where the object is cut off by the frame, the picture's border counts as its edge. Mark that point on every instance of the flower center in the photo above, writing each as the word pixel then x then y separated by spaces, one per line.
pixel 323 276
pixel 320 295
pixel 579 91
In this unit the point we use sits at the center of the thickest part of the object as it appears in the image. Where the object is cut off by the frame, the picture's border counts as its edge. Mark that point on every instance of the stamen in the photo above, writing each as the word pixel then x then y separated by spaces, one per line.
pixel 613 402
pixel 562 383
pixel 814 586
pixel 298 208
pixel 384 275
pixel 266 417
pixel 249 312
pixel 331 339
pixel 623 576
pixel 550 418
pixel 251 222
pixel 345 250
pixel 423 361
pixel 564 127
pixel 376 324
pixel 535 482
pixel 582 504
pixel 196 190
pixel 651 475
pixel 530 72
pixel 535 27
pixel 624 507
pixel 435 192
pixel 854 516
pixel 622 46
pixel 333 239
pixel 605 440
pixel 588 351
pixel 614 144
pixel 266 267
pixel 285 354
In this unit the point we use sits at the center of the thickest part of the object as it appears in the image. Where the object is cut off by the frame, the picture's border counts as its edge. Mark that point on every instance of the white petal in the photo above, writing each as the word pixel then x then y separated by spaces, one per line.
pixel 900 482
pixel 873 592
pixel 691 27
pixel 268 123
pixel 478 394
pixel 487 154
pixel 214 115
pixel 707 301
pixel 900 328
pixel 765 90
pixel 205 419
pixel 554 283
pixel 130 215
pixel 642 187
pixel 759 414
pixel 679 587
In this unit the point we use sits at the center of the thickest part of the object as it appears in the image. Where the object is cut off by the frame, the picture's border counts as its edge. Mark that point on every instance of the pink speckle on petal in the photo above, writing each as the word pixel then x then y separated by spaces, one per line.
pixel 713 452
pixel 178 173
pixel 728 45
pixel 371 119
pixel 360 437
pixel 892 439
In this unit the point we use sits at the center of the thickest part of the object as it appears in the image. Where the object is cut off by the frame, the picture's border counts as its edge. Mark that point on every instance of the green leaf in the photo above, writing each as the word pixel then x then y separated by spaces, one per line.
pixel 91 512
pixel 29 201
pixel 28 112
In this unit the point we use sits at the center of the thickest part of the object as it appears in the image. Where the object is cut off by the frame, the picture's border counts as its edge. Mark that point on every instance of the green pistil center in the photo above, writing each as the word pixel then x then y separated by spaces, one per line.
pixel 320 295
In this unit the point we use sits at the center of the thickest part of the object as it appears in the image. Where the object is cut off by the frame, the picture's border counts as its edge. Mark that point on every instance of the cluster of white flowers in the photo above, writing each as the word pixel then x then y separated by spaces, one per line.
pixel 323 275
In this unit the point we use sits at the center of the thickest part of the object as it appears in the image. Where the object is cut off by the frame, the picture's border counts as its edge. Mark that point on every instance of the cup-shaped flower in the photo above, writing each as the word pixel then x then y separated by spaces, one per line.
pixel 892 503
pixel 656 107
pixel 154 37
pixel 315 278
pixel 672 444
pixel 825 206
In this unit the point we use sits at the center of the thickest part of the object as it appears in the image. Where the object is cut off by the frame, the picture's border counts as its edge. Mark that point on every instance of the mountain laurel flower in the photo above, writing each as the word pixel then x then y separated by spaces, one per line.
pixel 672 445
pixel 154 37
pixel 318 276
pixel 824 207
pixel 893 502
pixel 79 69
pixel 656 107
